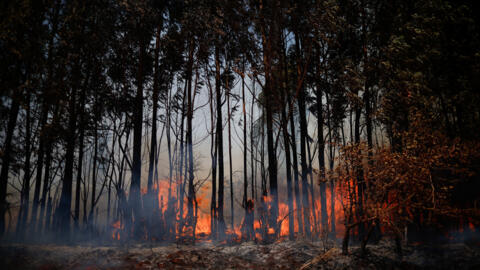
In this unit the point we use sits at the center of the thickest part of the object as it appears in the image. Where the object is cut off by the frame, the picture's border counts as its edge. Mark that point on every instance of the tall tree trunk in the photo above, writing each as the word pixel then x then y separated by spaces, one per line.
pixel 221 220
pixel 43 121
pixel 263 185
pixel 134 195
pixel 48 215
pixel 359 172
pixel 229 114
pixel 26 177
pixel 150 198
pixel 155 94
pixel 94 173
pixel 169 213
pixel 48 138
pixel 6 159
pixel 312 190
pixel 66 196
pixel 182 156
pixel 295 168
pixel 109 194
pixel 303 145
pixel 272 164
pixel 46 185
pixel 286 142
pixel 245 147
pixel 331 163
pixel 321 162
pixel 288 165
pixel 40 157
pixel 85 192
pixel 213 156
pixel 252 149
pixel 269 97
pixel 191 191
pixel 80 161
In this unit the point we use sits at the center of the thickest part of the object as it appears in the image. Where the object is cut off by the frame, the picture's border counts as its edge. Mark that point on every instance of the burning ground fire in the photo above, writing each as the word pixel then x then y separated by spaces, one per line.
pixel 170 215
pixel 171 219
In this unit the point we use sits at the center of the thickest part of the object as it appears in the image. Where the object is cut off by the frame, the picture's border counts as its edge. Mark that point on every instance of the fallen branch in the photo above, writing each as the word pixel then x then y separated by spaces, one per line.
pixel 322 257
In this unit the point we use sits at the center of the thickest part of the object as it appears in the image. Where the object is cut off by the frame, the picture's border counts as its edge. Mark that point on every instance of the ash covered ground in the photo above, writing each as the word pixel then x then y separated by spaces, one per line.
pixel 247 255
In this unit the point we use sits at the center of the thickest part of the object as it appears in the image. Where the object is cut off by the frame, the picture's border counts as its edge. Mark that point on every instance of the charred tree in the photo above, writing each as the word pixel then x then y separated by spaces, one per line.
pixel 6 159
pixel 25 196
pixel 191 190
pixel 321 161
pixel 229 114
pixel 64 207
pixel 221 219
pixel 134 194
pixel 303 144
pixel 81 127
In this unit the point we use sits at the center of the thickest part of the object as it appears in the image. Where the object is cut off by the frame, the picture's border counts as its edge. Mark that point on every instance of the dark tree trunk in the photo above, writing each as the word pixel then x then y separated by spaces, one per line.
pixel 170 203
pixel 331 163
pixel 79 174
pixel 286 142
pixel 153 139
pixel 213 156
pixel 288 165
pixel 42 136
pixel 229 113
pixel 94 173
pixel 345 241
pixel 321 162
pixel 245 147
pixel 252 149
pixel 25 198
pixel 312 190
pixel 134 195
pixel 221 220
pixel 38 177
pixel 295 168
pixel 303 145
pixel 80 161
pixel 49 215
pixel 182 156
pixel 359 172
pixel 191 191
pixel 6 159
pixel 81 127
pixel 272 165
pixel 46 186
pixel 64 207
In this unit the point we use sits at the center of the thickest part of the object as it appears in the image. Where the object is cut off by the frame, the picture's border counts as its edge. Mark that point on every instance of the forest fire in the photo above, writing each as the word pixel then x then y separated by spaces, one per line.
pixel 336 133
pixel 117 228
pixel 263 230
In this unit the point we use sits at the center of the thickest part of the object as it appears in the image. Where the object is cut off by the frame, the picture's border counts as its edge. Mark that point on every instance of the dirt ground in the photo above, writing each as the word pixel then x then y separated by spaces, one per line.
pixel 247 255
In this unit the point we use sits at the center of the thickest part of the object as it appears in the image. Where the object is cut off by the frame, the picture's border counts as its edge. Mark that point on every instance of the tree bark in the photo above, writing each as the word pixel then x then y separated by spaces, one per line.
pixel 213 155
pixel 191 191
pixel 6 159
pixel 46 186
pixel 80 160
pixel 229 113
pixel 303 145
pixel 245 147
pixel 21 226
pixel 295 168
pixel 321 161
pixel 221 220
pixel 155 94
pixel 66 197
pixel 134 195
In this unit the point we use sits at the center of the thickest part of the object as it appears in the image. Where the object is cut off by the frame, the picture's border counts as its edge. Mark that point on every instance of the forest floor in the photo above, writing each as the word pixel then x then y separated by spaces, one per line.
pixel 247 255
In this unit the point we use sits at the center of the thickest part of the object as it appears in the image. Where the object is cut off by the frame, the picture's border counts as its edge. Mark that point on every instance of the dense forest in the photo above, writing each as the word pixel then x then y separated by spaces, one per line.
pixel 230 121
